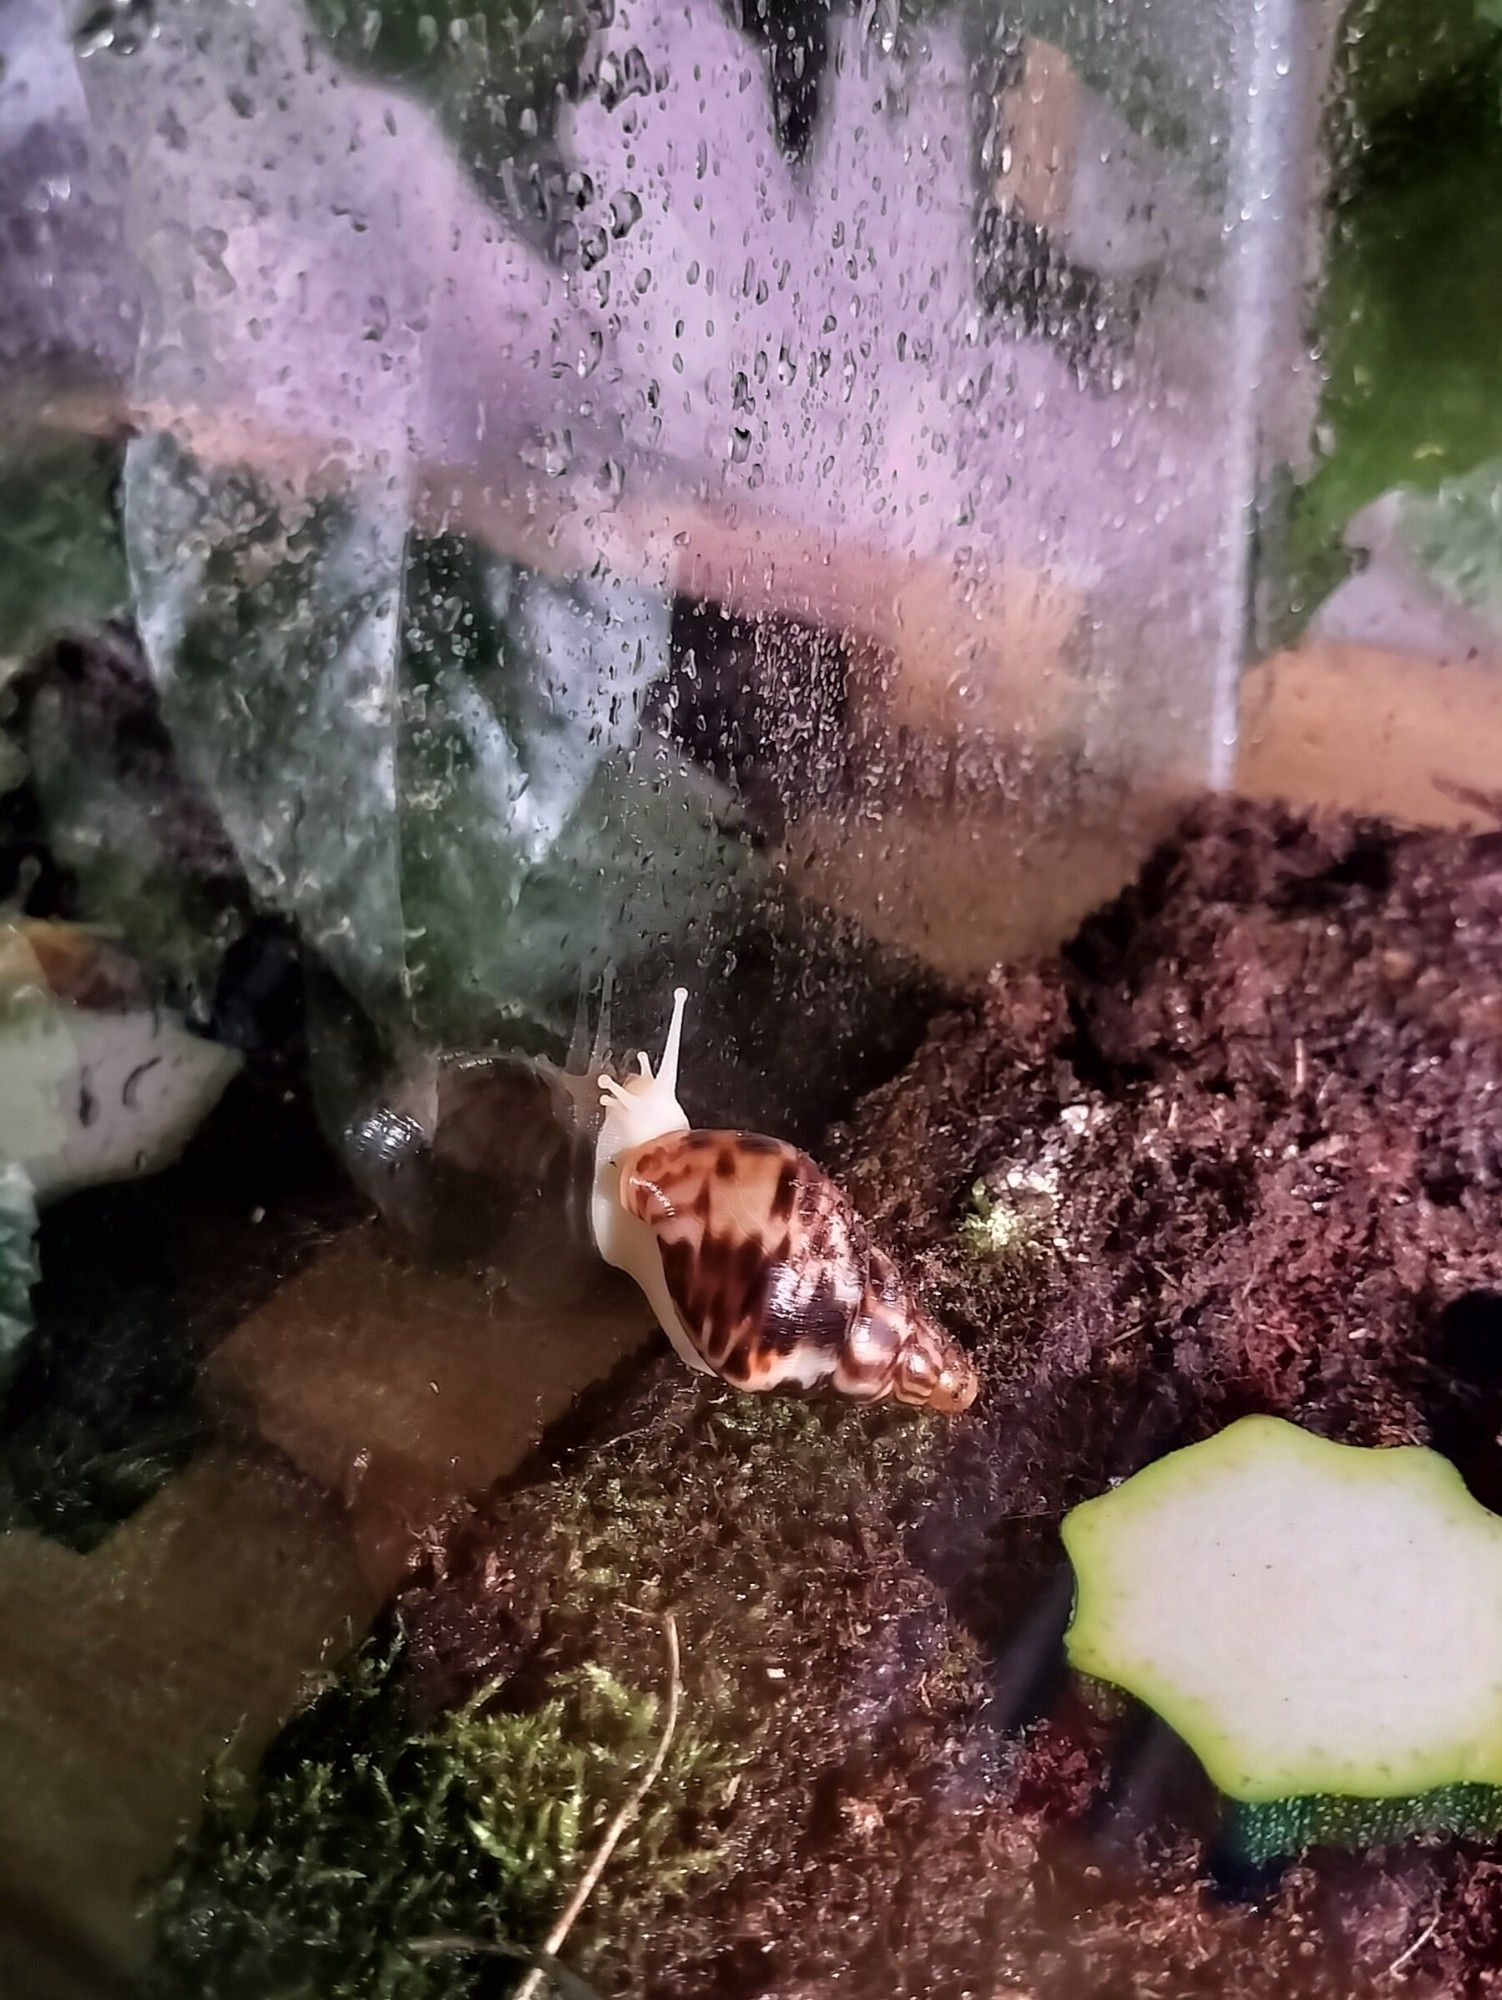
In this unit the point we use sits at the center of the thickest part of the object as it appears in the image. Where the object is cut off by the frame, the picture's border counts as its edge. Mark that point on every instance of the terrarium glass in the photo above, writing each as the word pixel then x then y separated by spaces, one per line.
pixel 645 492
pixel 512 507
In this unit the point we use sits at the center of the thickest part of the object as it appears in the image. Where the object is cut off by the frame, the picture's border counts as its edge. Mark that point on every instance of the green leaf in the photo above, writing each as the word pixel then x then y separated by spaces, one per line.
pixel 1455 537
pixel 61 561
pixel 271 622
pixel 1409 329
pixel 1393 51
pixel 492 70
pixel 424 755
pixel 19 1269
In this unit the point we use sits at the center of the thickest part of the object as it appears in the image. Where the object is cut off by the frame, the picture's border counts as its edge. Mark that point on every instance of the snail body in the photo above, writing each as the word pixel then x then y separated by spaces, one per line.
pixel 752 1259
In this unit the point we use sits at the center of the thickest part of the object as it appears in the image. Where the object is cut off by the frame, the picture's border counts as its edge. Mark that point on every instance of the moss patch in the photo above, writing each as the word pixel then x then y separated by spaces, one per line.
pixel 369 1835
pixel 455 1781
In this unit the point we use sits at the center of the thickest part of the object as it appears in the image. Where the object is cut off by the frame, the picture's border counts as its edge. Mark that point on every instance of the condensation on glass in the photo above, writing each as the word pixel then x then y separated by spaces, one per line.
pixel 629 493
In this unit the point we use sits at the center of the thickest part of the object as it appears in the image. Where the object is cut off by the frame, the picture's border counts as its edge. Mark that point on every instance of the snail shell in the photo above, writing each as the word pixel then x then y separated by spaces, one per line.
pixel 756 1265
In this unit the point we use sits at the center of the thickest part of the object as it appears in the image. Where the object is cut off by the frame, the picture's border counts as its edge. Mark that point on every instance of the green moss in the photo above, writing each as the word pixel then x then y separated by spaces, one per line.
pixel 627 1522
pixel 366 1837
pixel 991 1231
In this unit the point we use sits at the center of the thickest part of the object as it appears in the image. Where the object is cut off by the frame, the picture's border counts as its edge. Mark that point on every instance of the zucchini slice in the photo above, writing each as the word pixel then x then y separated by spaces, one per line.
pixel 1321 1623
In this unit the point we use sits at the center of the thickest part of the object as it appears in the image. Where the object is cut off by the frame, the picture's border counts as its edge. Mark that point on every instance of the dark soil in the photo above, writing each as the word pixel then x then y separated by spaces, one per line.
pixel 1242 1147
pixel 141 1279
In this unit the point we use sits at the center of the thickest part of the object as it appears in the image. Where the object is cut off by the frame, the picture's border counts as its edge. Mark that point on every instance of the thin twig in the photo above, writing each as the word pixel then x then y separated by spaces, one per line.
pixel 569 1984
pixel 1418 1944
pixel 532 1984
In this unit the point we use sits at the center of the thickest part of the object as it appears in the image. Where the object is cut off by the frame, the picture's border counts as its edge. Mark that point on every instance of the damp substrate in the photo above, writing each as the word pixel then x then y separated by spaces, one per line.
pixel 1238 1150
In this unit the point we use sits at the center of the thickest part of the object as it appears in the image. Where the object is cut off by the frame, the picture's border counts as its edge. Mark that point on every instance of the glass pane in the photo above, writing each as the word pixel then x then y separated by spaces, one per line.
pixel 513 508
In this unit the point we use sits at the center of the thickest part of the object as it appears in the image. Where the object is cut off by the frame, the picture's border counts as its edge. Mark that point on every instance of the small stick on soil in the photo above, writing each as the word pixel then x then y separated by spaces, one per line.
pixel 532 1984
pixel 547 1955
pixel 1417 1946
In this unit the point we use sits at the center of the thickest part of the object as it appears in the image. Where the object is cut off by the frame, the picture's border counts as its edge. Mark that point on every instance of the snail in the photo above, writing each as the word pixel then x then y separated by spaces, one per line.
pixel 753 1261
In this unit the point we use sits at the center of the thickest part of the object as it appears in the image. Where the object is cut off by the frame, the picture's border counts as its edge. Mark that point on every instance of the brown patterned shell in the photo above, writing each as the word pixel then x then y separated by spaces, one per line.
pixel 774 1278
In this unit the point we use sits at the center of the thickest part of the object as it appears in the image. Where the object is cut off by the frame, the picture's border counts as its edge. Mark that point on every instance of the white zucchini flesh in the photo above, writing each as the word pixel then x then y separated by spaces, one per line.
pixel 1312 1618
pixel 88 1097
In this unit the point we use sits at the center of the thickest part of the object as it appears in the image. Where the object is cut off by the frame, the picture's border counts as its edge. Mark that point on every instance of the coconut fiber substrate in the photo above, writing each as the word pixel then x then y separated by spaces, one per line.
pixel 1238 1149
